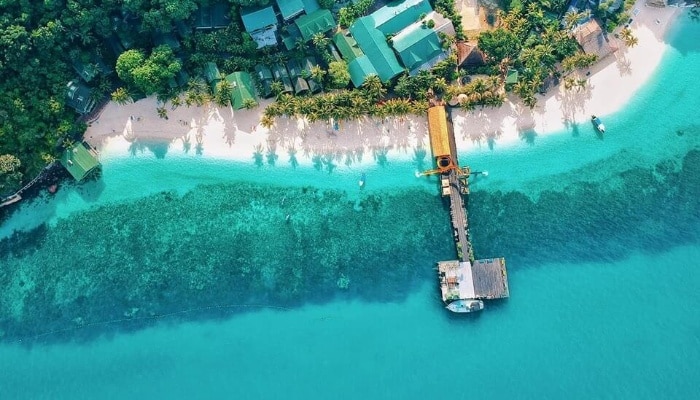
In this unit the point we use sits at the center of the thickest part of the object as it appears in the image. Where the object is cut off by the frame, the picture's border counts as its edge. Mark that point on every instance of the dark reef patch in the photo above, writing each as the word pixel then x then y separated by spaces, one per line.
pixel 228 248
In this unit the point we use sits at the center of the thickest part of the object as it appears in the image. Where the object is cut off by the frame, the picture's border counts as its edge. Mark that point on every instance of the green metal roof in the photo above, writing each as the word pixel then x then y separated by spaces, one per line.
pixel 399 14
pixel 319 21
pixel 360 68
pixel 347 46
pixel 310 5
pixel 263 72
pixel 373 44
pixel 289 38
pixel 79 161
pixel 255 19
pixel 211 72
pixel 512 77
pixel 417 45
pixel 242 88
pixel 290 8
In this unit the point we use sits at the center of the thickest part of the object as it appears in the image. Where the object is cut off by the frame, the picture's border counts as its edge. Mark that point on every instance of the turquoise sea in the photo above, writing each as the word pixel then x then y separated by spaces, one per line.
pixel 186 277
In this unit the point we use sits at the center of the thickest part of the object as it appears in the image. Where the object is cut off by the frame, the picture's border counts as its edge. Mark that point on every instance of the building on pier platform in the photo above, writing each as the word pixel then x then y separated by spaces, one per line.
pixel 464 279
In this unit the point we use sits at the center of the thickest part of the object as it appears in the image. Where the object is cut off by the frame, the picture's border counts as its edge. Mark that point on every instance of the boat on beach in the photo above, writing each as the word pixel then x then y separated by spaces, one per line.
pixel 598 124
pixel 465 305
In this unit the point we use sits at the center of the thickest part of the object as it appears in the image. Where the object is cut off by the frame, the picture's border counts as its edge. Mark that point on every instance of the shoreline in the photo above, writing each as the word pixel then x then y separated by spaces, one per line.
pixel 211 131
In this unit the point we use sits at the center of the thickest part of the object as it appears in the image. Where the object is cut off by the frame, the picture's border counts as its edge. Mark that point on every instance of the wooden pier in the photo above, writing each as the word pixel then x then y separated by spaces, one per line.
pixel 464 278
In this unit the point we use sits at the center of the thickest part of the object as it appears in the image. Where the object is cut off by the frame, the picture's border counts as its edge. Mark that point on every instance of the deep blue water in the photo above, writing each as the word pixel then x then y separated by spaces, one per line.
pixel 181 278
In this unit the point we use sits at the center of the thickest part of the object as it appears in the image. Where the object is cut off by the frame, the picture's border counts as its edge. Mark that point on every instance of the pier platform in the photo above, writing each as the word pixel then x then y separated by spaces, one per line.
pixel 464 278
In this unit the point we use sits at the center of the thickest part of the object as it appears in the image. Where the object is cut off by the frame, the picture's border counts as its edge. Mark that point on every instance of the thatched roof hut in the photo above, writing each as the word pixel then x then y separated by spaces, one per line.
pixel 592 40
pixel 469 55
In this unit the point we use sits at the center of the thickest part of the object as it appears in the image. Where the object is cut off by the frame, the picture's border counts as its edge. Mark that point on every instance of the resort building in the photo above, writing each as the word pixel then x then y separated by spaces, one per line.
pixel 290 8
pixel 80 161
pixel 592 40
pixel 242 89
pixel 212 74
pixel 261 24
pixel 411 27
pixel 299 83
pixel 215 16
pixel 264 76
pixel 307 64
pixel 79 97
pixel 319 21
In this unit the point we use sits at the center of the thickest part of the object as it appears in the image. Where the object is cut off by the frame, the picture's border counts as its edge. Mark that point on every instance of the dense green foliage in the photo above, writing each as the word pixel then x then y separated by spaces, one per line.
pixel 347 15
pixel 41 41
pixel 148 75
pixel 531 41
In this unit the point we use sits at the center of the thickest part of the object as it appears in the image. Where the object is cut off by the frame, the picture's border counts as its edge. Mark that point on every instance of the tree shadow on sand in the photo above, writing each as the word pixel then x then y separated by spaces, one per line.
pixel 419 155
pixel 525 123
pixel 573 105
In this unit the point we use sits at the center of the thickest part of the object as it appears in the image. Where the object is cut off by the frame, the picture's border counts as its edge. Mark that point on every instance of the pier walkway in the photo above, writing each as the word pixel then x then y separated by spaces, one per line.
pixel 464 278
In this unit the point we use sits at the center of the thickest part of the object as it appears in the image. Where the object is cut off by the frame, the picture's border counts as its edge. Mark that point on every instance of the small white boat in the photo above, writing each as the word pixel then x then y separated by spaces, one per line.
pixel 465 305
pixel 598 124
pixel 362 181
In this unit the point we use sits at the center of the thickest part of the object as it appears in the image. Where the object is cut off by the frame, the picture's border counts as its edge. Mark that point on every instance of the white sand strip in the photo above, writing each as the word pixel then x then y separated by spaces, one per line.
pixel 238 135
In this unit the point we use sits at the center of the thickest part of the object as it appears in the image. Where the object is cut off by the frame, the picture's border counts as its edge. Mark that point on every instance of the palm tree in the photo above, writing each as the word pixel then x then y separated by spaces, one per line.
pixel 317 73
pixel 627 36
pixel 121 96
pixel 572 18
pixel 276 87
pixel 162 112
pixel 320 40
pixel 249 104
pixel 373 88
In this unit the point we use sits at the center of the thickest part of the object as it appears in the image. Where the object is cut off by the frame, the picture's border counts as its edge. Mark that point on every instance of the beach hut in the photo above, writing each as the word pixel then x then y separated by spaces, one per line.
pixel 512 77
pixel 80 161
pixel 592 40
pixel 469 55
pixel 308 63
pixel 79 97
pixel 242 89
pixel 212 74
pixel 264 76
pixel 300 85
pixel 280 73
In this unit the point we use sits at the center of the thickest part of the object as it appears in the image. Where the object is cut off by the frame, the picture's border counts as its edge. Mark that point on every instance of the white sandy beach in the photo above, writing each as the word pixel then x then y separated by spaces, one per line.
pixel 238 135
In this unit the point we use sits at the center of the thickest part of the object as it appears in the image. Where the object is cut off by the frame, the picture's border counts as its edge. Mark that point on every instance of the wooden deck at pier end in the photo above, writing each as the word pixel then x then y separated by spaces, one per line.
pixel 464 279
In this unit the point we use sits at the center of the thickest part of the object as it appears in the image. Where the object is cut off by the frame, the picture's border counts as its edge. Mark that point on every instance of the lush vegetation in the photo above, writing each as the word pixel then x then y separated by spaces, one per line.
pixel 344 104
pixel 40 42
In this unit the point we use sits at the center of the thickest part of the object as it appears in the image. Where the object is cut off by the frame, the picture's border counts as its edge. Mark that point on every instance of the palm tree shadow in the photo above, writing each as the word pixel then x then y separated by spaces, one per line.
pixel 271 154
pixel 293 157
pixel 186 143
pixel 258 156
pixel 317 162
pixel 573 126
pixel 528 136
pixel 419 155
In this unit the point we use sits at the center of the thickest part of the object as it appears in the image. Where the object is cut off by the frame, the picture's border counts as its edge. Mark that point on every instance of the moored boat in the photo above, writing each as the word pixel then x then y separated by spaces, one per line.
pixel 598 124
pixel 465 305
pixel 362 180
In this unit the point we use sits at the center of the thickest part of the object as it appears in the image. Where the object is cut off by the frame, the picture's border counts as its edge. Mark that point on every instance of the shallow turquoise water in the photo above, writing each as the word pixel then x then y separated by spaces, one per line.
pixel 602 240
